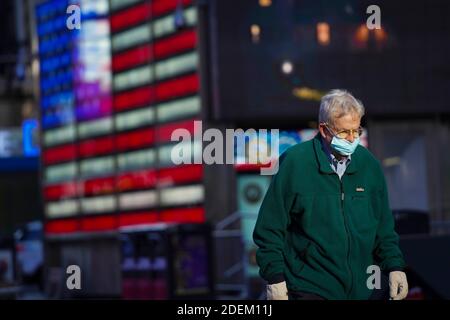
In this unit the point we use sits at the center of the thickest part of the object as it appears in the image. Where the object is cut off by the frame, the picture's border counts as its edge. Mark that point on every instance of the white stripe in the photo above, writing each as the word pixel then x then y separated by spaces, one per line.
pixel 129 38
pixel 60 172
pixel 60 135
pixel 97 166
pixel 136 160
pixel 182 150
pixel 182 195
pixel 178 109
pixel 174 66
pixel 134 119
pixel 95 127
pixel 141 199
pixel 98 204
pixel 132 78
pixel 166 25
pixel 61 209
pixel 117 4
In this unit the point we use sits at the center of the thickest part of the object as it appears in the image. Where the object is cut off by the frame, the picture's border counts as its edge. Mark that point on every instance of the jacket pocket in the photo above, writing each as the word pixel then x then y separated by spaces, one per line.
pixel 297 252
pixel 361 213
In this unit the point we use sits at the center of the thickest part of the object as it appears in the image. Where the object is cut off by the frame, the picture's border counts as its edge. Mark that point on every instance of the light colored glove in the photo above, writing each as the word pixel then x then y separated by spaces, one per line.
pixel 398 285
pixel 277 291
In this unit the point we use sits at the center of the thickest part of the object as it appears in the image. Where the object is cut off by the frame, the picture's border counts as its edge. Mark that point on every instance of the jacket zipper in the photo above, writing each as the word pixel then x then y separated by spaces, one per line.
pixel 348 236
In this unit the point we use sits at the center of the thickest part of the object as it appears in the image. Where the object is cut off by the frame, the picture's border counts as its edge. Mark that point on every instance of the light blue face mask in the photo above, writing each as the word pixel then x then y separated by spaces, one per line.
pixel 343 146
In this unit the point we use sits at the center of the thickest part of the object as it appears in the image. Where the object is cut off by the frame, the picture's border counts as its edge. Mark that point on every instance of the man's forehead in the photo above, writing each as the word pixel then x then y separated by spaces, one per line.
pixel 347 122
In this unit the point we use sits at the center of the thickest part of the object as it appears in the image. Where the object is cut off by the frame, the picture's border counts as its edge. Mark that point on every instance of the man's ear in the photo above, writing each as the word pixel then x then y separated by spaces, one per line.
pixel 322 130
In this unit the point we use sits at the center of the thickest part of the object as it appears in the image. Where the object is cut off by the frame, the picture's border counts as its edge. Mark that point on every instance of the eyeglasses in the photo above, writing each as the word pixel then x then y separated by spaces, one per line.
pixel 344 134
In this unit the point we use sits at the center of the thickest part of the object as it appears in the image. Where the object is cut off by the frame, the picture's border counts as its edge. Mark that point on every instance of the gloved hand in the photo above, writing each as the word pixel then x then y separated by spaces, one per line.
pixel 398 285
pixel 277 291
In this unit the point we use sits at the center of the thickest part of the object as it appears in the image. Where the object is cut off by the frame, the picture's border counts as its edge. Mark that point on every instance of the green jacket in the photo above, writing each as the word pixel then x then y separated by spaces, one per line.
pixel 321 233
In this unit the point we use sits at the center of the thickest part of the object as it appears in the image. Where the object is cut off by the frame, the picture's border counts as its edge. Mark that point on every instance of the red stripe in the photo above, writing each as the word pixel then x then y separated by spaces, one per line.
pixel 61 226
pixel 178 87
pixel 183 215
pixel 248 167
pixel 98 186
pixel 183 41
pixel 137 180
pixel 129 219
pixel 102 223
pixel 160 7
pixel 135 139
pixel 56 192
pixel 130 17
pixel 164 132
pixel 94 147
pixel 132 58
pixel 180 174
pixel 170 89
pixel 134 98
pixel 59 154
pixel 180 42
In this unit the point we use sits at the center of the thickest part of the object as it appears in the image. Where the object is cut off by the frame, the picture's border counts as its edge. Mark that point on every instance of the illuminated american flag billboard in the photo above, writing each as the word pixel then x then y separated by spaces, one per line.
pixel 112 92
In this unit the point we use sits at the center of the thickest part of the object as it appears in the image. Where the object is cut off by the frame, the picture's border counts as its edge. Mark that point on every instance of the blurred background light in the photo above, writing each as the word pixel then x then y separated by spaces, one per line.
pixel 287 67
pixel 255 31
pixel 323 33
pixel 265 3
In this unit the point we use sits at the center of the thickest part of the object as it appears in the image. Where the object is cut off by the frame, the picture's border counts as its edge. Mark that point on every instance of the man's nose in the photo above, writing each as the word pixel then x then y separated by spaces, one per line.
pixel 350 138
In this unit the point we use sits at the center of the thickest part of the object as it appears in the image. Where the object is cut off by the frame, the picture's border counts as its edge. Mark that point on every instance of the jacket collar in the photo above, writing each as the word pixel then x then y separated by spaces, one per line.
pixel 324 163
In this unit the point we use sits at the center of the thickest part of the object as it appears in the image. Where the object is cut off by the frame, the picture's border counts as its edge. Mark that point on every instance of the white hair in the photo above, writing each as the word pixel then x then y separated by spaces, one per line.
pixel 338 103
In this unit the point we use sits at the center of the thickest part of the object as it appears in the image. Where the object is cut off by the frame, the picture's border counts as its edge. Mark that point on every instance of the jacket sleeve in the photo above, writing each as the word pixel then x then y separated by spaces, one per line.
pixel 387 251
pixel 271 226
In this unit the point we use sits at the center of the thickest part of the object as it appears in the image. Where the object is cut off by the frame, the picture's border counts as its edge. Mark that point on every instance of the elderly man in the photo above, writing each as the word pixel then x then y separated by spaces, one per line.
pixel 326 218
